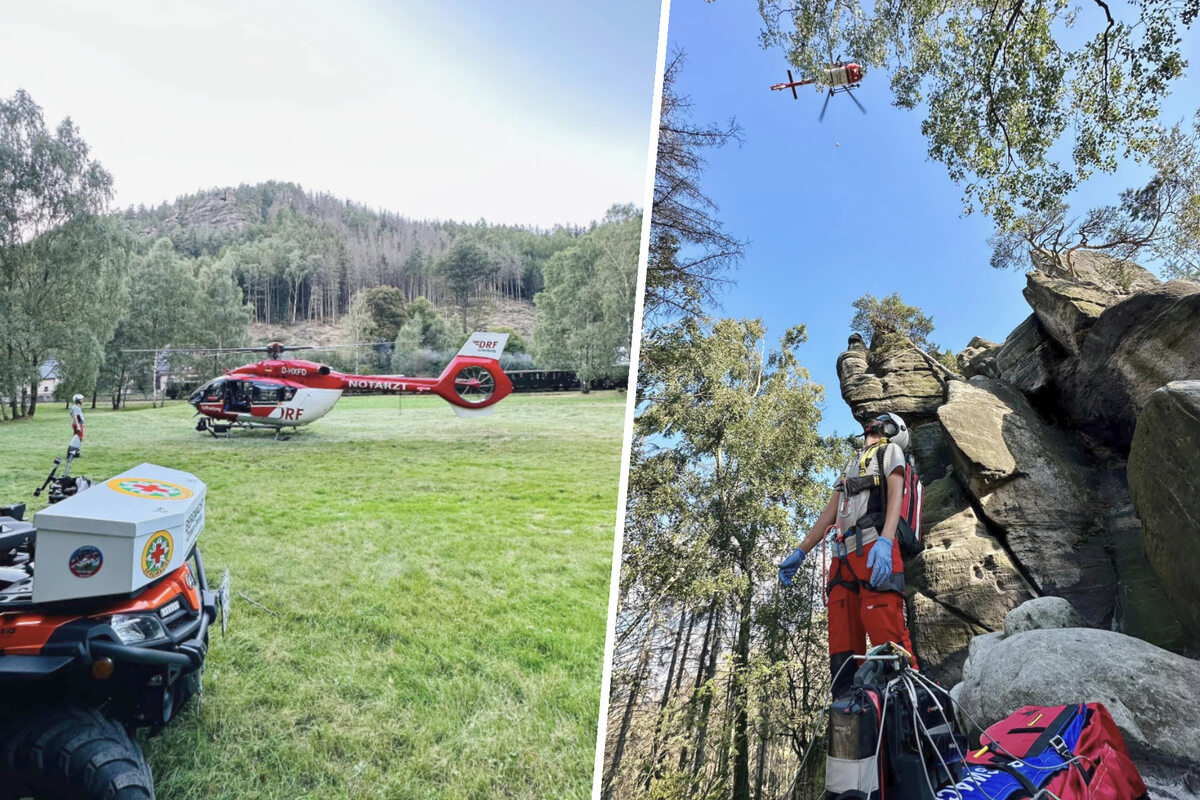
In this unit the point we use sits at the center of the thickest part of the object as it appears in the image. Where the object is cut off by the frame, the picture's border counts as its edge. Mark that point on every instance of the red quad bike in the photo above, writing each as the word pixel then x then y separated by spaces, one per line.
pixel 104 625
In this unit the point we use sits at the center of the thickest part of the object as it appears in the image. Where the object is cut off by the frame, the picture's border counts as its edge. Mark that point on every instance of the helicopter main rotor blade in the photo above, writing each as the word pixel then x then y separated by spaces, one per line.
pixel 827 96
pixel 792 81
pixel 205 350
pixel 855 99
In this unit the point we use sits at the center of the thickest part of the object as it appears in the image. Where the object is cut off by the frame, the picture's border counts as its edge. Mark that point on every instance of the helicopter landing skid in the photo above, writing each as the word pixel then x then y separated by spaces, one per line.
pixel 220 430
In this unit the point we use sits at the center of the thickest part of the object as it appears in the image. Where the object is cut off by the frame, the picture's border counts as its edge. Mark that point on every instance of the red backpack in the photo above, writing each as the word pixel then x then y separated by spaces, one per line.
pixel 908 531
pixel 1076 752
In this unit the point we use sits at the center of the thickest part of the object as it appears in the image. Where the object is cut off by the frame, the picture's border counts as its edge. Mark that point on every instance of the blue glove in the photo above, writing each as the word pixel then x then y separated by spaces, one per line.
pixel 790 565
pixel 879 561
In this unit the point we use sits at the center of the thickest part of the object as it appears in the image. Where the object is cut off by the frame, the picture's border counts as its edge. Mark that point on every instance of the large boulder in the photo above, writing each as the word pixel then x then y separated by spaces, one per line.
pixel 1164 464
pixel 1030 482
pixel 1028 357
pixel 1041 613
pixel 1066 308
pixel 1150 692
pixel 891 376
pixel 1111 275
pixel 978 358
pixel 1143 608
pixel 965 580
pixel 927 445
pixel 1133 348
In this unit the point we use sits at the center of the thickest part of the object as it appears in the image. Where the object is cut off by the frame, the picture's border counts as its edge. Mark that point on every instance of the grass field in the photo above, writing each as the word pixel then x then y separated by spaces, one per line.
pixel 437 590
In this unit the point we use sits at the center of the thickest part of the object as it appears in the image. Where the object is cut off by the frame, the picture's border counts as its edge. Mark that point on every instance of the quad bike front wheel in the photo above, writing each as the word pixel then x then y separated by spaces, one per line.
pixel 71 754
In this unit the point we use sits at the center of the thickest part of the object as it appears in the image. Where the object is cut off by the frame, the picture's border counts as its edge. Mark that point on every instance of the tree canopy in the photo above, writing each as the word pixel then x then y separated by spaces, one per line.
pixel 61 268
pixel 463 267
pixel 1024 100
pixel 1160 219
pixel 585 313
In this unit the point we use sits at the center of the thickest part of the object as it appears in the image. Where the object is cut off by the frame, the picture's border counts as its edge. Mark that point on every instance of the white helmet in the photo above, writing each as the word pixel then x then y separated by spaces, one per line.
pixel 891 427
pixel 77 398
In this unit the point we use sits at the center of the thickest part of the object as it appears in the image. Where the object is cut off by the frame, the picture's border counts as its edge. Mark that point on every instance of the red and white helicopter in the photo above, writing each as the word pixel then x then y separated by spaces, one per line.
pixel 287 393
pixel 838 77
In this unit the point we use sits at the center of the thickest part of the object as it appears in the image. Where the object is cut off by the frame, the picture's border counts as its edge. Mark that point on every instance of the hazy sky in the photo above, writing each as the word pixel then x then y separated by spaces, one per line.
pixel 528 112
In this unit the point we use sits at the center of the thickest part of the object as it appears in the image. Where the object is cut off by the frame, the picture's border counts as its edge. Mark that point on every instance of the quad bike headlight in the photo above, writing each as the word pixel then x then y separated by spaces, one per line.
pixel 137 628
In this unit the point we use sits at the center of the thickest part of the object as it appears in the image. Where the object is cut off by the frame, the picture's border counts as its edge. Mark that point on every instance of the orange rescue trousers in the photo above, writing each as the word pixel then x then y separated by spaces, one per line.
pixel 856 611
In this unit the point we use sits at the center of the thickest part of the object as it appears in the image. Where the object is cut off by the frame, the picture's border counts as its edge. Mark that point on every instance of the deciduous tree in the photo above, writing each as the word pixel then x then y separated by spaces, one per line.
pixel 585 313
pixel 48 179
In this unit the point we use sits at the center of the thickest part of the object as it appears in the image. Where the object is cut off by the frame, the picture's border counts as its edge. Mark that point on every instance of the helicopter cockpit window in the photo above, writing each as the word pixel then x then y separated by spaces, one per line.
pixel 289 392
pixel 267 393
pixel 213 391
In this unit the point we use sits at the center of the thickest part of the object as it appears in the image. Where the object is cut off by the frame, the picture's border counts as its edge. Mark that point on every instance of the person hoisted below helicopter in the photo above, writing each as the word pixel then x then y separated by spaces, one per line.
pixel 866 578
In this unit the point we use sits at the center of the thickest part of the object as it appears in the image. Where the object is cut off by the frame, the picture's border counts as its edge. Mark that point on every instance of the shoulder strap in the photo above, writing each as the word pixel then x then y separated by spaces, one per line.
pixel 881 478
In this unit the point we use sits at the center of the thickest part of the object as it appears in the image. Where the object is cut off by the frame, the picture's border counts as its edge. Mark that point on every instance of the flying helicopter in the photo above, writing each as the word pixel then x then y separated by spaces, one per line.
pixel 839 77
pixel 283 393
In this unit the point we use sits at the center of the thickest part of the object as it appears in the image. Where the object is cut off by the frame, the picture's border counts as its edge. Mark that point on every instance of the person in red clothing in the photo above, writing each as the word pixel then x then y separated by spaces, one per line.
pixel 866 578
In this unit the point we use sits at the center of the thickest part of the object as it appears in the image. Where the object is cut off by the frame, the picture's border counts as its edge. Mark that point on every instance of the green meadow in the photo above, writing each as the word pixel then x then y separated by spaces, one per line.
pixel 429 593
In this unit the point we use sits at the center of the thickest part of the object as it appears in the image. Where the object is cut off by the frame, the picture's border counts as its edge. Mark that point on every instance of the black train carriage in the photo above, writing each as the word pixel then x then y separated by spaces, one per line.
pixel 555 380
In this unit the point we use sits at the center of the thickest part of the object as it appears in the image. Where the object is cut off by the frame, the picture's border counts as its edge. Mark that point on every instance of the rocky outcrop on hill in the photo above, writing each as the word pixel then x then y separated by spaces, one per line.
pixel 1024 457
pixel 218 212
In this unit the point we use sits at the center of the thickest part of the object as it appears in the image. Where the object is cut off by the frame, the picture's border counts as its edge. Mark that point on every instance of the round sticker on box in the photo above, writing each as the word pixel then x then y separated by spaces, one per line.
pixel 156 490
pixel 156 555
pixel 85 561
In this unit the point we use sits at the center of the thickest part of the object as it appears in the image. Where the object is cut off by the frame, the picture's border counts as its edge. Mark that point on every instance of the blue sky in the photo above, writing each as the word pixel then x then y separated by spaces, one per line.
pixel 534 112
pixel 837 209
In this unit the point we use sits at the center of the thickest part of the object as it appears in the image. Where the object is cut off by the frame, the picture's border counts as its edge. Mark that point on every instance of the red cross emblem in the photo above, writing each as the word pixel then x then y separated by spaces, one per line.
pixel 157 554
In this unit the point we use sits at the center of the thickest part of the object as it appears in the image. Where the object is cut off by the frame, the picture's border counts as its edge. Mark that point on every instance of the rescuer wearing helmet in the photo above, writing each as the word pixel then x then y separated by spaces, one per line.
pixel 866 578
pixel 76 424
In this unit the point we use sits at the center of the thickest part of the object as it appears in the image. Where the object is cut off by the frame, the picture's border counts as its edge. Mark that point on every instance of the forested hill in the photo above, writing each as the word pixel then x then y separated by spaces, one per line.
pixel 300 256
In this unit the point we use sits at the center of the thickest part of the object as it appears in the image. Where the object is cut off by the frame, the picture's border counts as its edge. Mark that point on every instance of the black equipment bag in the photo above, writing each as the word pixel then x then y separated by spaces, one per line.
pixel 891 739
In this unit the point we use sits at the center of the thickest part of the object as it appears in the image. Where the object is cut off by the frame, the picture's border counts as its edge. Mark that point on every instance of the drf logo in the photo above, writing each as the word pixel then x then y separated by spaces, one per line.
pixel 292 413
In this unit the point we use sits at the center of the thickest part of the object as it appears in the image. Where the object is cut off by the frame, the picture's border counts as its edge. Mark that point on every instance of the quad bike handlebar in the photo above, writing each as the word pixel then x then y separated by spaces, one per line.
pixel 38 491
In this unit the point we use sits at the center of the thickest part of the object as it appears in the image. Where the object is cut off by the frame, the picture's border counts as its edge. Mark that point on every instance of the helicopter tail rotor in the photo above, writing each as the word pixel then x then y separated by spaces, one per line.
pixel 472 385
pixel 474 380
pixel 792 81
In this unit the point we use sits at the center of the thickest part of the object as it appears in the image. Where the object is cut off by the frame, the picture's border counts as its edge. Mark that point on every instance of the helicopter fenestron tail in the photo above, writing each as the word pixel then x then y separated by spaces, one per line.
pixel 473 382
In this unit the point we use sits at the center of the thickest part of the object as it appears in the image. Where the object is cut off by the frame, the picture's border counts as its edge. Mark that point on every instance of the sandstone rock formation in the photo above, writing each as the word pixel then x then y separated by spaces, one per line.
pixel 897 379
pixel 1133 348
pixel 1031 484
pixel 1163 465
pixel 1023 458
pixel 968 582
pixel 1065 308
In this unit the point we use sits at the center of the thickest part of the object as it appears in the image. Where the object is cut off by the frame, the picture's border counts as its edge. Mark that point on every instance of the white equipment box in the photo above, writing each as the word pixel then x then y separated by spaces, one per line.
pixel 119 535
